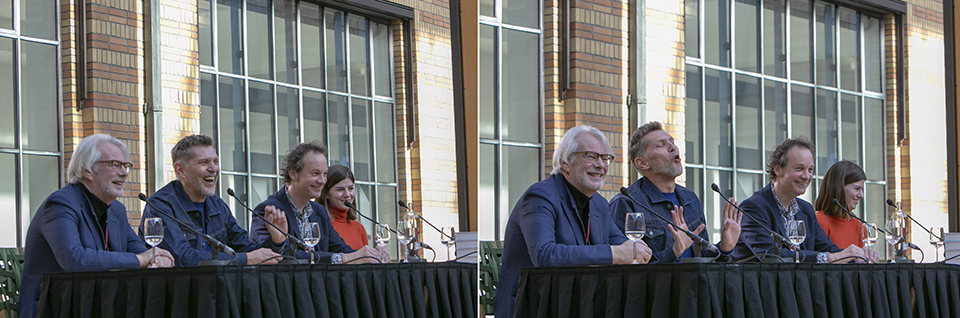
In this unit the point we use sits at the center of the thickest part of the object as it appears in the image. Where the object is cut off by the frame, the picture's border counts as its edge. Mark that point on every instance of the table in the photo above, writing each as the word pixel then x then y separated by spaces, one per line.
pixel 741 290
pixel 369 290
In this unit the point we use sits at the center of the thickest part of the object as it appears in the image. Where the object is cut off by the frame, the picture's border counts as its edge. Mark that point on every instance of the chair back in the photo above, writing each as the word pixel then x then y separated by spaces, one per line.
pixel 11 273
pixel 490 254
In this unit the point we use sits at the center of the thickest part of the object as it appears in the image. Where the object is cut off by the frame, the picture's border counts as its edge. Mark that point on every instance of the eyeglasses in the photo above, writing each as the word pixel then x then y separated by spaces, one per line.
pixel 593 156
pixel 117 164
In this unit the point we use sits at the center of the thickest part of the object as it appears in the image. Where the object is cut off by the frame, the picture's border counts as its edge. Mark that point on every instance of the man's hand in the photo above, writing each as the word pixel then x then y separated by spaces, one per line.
pixel 851 250
pixel 358 256
pixel 730 231
pixel 277 217
pixel 623 253
pixel 681 242
pixel 384 254
pixel 163 258
pixel 264 255
pixel 872 256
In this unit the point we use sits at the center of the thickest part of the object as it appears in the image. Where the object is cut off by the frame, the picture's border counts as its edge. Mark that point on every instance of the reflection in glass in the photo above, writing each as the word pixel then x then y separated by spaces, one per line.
pixel 747 184
pixel 775 38
pixel 362 139
pixel 716 30
pixel 694 117
pixel 359 56
pixel 314 117
pixel 337 147
pixel 8 199
pixel 747 28
pixel 718 118
pixel 521 168
pixel 385 142
pixel 849 49
pixel 749 151
pixel 285 36
pixel 336 51
pixel 259 47
pixel 239 186
pixel 38 19
pixel 873 137
pixel 205 32
pixel 288 123
pixel 521 12
pixel 487 82
pixel 382 58
pixel 713 203
pixel 233 125
pixel 487 7
pixel 229 45
pixel 801 106
pixel 261 189
pixel 7 97
pixel 521 78
pixel 486 192
pixel 363 194
pixel 41 176
pixel 38 105
pixel 801 39
pixel 873 51
pixel 263 141
pixel 386 213
pixel 208 104
pixel 827 135
pixel 826 43
pixel 311 45
pixel 694 177
pixel 691 28
pixel 875 210
pixel 774 114
pixel 850 128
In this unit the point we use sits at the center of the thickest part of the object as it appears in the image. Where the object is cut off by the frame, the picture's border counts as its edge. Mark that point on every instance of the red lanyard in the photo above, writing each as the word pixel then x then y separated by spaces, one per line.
pixel 588 229
pixel 106 239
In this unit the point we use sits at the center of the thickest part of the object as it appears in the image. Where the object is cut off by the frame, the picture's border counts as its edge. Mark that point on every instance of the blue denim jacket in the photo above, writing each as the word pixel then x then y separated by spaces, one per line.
pixel 187 248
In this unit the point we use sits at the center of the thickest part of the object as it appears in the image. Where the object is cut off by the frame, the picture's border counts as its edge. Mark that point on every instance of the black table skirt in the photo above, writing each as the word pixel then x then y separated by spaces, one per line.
pixel 387 290
pixel 741 290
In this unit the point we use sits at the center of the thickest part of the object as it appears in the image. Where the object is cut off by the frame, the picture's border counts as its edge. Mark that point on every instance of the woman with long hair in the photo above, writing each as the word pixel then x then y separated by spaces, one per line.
pixel 844 182
pixel 337 191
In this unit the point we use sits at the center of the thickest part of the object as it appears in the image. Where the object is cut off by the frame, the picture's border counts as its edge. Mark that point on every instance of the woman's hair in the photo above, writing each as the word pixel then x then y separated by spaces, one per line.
pixel 336 174
pixel 838 176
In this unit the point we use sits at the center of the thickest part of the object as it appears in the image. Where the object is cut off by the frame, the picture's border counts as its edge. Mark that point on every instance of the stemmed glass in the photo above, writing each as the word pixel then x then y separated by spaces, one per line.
pixel 634 228
pixel 869 234
pixel 406 232
pixel 311 236
pixel 383 234
pixel 153 234
pixel 447 236
pixel 796 233
pixel 937 242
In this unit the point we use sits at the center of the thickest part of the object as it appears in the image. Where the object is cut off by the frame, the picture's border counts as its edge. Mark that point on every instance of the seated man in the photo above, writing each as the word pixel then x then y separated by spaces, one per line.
pixel 82 227
pixel 304 174
pixel 563 221
pixel 190 199
pixel 790 170
pixel 655 155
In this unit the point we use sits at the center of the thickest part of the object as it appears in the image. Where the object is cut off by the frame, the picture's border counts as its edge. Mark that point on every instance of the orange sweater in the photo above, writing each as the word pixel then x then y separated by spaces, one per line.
pixel 352 232
pixel 841 232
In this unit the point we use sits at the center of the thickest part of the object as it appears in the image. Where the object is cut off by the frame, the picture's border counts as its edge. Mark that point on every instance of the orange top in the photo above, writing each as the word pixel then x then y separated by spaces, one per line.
pixel 352 232
pixel 841 232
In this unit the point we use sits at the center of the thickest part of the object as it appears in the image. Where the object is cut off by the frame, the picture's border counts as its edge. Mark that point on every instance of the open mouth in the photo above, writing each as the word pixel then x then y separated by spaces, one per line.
pixel 210 180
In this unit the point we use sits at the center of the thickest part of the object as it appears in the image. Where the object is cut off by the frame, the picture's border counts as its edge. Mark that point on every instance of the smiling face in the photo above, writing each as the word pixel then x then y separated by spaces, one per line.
pixel 586 175
pixel 661 158
pixel 103 181
pixel 792 180
pixel 340 193
pixel 853 192
pixel 308 183
pixel 199 174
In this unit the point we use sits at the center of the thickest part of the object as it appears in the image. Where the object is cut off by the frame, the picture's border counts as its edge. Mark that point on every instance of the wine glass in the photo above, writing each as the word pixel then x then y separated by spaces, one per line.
pixel 796 233
pixel 447 236
pixel 869 234
pixel 153 234
pixel 311 236
pixel 383 234
pixel 936 235
pixel 406 233
pixel 896 231
pixel 634 227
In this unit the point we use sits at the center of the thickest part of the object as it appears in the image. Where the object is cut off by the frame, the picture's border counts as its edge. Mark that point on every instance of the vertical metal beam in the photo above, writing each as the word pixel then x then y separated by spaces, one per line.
pixel 463 182
pixel 950 63
pixel 153 110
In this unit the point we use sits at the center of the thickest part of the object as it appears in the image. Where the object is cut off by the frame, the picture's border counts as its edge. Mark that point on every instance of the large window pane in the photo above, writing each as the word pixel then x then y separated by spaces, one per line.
pixel 487 7
pixel 826 41
pixel 382 58
pixel 314 117
pixel 362 140
pixel 263 139
pixel 873 137
pixel 39 103
pixel 8 199
pixel 749 152
pixel 713 204
pixel 827 136
pixel 873 42
pixel 385 142
pixel 285 35
pixel 261 188
pixel 747 184
pixel 208 105
pixel 691 28
pixel 775 38
pixel 521 12
pixel 41 176
pixel 38 19
pixel 311 45
pixel 359 56
pixel 801 106
pixel 486 192
pixel 694 117
pixel 521 168
pixel 338 147
pixel 719 139
pixel 521 78
pixel 205 31
pixel 717 32
pixel 386 212
pixel 488 82
pixel 229 45
pixel 801 37
pixel 363 200
pixel 875 211
pixel 747 28
pixel 775 115
pixel 259 45
pixel 239 186
pixel 694 177
pixel 232 125
pixel 849 49
pixel 288 119
pixel 850 128
pixel 336 51
pixel 8 99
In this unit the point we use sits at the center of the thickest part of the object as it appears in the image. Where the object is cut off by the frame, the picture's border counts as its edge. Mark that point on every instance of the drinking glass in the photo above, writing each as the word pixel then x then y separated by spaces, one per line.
pixel 383 234
pixel 869 234
pixel 634 227
pixel 153 234
pixel 936 241
pixel 796 233
pixel 311 236
pixel 447 236
pixel 406 232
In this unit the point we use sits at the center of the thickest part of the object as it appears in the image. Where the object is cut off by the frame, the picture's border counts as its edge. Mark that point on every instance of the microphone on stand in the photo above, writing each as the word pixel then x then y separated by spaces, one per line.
pixel 350 205
pixel 856 217
pixel 404 205
pixel 779 240
pixel 216 245
pixel 297 243
pixel 696 238
pixel 910 244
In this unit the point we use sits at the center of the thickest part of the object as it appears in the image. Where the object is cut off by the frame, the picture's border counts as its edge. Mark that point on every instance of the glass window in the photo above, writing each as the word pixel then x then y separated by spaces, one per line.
pixel 6 14
pixel 336 51
pixel 229 50
pixel 285 36
pixel 259 61
pixel 205 32
pixel 8 99
pixel 827 136
pixel 524 13
pixel 521 168
pixel 873 49
pixel 691 28
pixel 41 176
pixel 747 33
pixel 311 45
pixel 338 131
pixel 774 115
pixel 801 40
pixel 801 113
pixel 39 103
pixel 288 119
pixel 385 145
pixel 383 54
pixel 694 117
pixel 39 19
pixel 520 84
pixel 362 139
pixel 775 38
pixel 486 190
pixel 718 118
pixel 749 139
pixel 487 82
pixel 826 43
pixel 263 140
pixel 850 130
pixel 8 198
pixel 239 186
pixel 233 139
pixel 849 49
pixel 873 134
pixel 386 203
pixel 717 32
pixel 314 116
pixel 359 56
pixel 208 105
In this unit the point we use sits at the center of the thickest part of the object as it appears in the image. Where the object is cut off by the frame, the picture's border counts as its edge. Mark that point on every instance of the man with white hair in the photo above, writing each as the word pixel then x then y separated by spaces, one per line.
pixel 562 220
pixel 82 227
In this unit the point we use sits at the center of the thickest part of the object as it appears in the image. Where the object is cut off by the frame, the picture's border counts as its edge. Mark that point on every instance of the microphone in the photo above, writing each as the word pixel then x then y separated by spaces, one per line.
pixel 891 203
pixel 404 205
pixel 696 238
pixel 776 236
pixel 350 205
pixel 299 244
pixel 855 216
pixel 210 240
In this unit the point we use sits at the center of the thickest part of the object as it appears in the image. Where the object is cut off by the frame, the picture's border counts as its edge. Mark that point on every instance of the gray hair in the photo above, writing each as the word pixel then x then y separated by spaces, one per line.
pixel 638 145
pixel 182 152
pixel 570 143
pixel 88 153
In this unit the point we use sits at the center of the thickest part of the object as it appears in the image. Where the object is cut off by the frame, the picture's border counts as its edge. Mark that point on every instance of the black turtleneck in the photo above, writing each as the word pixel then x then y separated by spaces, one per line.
pixel 583 204
pixel 99 207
